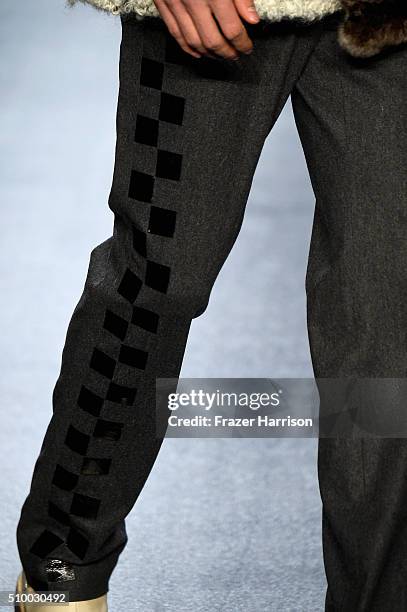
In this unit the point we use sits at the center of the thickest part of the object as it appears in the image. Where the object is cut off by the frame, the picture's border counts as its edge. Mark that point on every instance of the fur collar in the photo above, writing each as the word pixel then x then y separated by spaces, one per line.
pixel 369 26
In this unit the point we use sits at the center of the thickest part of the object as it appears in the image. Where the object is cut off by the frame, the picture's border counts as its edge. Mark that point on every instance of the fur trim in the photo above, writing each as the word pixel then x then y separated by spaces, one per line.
pixel 309 10
pixel 141 8
pixel 372 25
pixel 368 26
pixel 272 10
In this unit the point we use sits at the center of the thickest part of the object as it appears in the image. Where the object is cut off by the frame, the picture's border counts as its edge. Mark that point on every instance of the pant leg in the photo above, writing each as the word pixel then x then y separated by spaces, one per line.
pixel 189 134
pixel 351 115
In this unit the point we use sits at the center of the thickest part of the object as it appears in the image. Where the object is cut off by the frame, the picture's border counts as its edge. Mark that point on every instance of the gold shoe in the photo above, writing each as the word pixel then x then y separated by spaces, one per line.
pixel 91 605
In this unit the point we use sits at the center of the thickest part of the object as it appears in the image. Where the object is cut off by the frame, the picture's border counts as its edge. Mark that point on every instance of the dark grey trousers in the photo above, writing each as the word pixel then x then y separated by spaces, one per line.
pixel 189 135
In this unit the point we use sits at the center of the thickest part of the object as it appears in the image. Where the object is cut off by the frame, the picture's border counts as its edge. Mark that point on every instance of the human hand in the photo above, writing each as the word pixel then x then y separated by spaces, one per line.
pixel 209 27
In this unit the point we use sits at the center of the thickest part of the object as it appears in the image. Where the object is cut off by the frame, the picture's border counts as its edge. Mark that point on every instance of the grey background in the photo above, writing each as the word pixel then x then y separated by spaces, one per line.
pixel 230 524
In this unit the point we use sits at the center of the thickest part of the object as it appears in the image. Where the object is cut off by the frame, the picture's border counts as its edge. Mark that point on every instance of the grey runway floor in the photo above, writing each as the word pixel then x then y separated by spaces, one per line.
pixel 222 525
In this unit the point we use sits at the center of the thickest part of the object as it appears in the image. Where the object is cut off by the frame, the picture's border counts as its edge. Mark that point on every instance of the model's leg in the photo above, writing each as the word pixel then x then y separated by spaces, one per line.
pixel 352 118
pixel 189 134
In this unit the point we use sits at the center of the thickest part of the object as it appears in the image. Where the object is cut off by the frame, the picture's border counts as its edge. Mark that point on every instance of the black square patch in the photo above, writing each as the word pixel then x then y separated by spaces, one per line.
pixel 116 393
pixel 139 241
pixel 157 276
pixel 109 430
pixel 83 505
pixel 95 467
pixel 145 319
pixel 89 401
pixel 57 514
pixel 141 186
pixel 146 131
pixel 171 108
pixel 64 479
pixel 168 165
pixel 162 221
pixel 102 363
pixel 174 54
pixel 151 74
pixel 133 357
pixel 115 325
pixel 77 441
pixel 130 286
pixel 46 543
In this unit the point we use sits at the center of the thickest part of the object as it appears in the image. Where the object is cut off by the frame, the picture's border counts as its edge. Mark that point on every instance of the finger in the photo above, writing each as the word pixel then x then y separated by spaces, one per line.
pixel 247 10
pixel 187 26
pixel 212 38
pixel 232 26
pixel 174 28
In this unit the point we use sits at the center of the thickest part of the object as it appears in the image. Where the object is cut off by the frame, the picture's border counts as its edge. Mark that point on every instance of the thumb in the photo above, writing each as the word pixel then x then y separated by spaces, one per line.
pixel 247 10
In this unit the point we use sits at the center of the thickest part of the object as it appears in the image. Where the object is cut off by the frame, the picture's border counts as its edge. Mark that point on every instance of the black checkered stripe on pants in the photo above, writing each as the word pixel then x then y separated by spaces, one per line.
pixel 162 222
